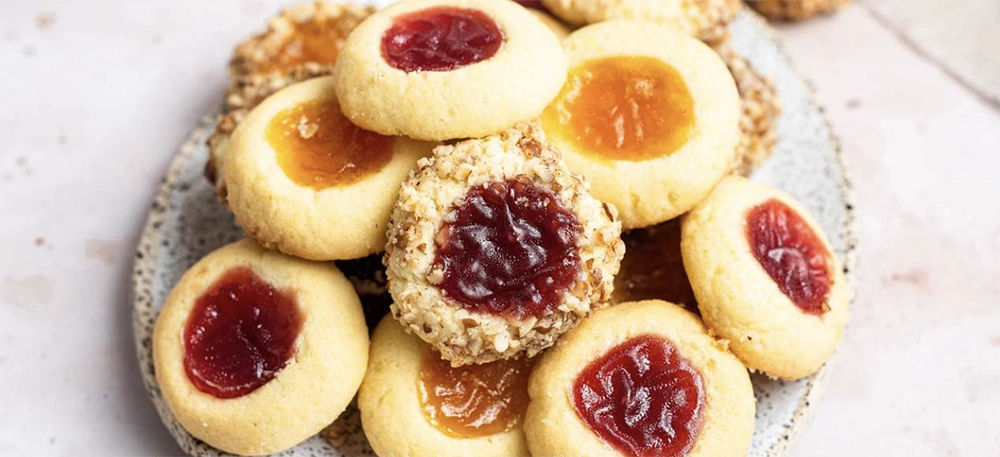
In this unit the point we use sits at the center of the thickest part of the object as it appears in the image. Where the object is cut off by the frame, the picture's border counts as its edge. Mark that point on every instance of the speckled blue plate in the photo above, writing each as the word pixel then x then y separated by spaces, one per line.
pixel 186 223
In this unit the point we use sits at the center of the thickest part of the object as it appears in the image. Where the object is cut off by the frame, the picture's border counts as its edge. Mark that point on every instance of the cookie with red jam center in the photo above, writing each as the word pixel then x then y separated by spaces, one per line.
pixel 446 69
pixel 256 351
pixel 439 410
pixel 495 248
pixel 639 379
pixel 765 278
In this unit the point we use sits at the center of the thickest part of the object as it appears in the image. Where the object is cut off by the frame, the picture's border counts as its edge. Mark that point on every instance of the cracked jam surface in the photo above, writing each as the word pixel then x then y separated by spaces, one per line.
pixel 318 147
pixel 442 38
pixel 240 334
pixel 642 397
pixel 508 249
pixel 791 253
pixel 623 108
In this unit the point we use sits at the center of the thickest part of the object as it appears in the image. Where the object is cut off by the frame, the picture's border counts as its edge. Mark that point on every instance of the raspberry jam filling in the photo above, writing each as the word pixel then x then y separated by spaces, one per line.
pixel 314 41
pixel 318 147
pixel 623 108
pixel 642 397
pixel 653 267
pixel 791 253
pixel 508 248
pixel 473 400
pixel 441 38
pixel 239 335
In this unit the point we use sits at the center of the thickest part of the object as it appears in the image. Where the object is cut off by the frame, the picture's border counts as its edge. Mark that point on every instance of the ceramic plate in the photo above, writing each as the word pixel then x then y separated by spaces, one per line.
pixel 186 223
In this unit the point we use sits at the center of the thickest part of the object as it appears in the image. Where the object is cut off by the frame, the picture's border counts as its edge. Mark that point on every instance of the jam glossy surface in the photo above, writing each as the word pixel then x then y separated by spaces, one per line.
pixel 509 249
pixel 318 147
pixel 791 253
pixel 623 108
pixel 441 38
pixel 653 267
pixel 642 397
pixel 473 400
pixel 239 335
pixel 315 41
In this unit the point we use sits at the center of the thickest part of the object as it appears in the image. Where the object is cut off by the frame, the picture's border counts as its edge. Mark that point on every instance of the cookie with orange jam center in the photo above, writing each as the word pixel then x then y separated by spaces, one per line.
pixel 650 116
pixel 639 379
pixel 247 337
pixel 301 178
pixel 439 410
pixel 765 277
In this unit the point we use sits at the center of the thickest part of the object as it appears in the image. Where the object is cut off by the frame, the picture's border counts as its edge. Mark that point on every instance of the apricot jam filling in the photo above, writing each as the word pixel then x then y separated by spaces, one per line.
pixel 653 267
pixel 642 397
pixel 623 108
pixel 441 38
pixel 508 248
pixel 473 400
pixel 318 147
pixel 239 335
pixel 791 253
pixel 317 41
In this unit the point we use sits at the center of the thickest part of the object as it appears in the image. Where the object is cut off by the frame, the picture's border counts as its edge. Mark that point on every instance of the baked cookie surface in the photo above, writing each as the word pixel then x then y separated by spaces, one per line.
pixel 495 248
pixel 796 10
pixel 707 20
pixel 759 114
pixel 437 410
pixel 766 278
pixel 648 115
pixel 446 69
pixel 299 177
pixel 649 356
pixel 256 351
pixel 300 43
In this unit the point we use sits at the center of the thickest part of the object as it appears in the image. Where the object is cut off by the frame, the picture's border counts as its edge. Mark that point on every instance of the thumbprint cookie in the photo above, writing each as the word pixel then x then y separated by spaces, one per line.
pixel 707 20
pixel 765 277
pixel 648 115
pixel 256 351
pixel 495 248
pixel 301 178
pixel 438 410
pixel 639 379
pixel 447 69
pixel 300 43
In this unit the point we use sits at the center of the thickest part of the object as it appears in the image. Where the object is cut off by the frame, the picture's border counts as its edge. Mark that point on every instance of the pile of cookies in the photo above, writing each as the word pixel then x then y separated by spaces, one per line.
pixel 547 188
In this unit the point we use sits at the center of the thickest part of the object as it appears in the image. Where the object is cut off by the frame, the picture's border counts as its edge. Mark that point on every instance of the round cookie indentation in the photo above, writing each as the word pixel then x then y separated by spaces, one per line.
pixel 791 253
pixel 394 407
pixel 653 174
pixel 508 248
pixel 241 333
pixel 474 400
pixel 318 147
pixel 738 297
pixel 623 108
pixel 643 397
pixel 441 38
pixel 327 360
pixel 722 426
